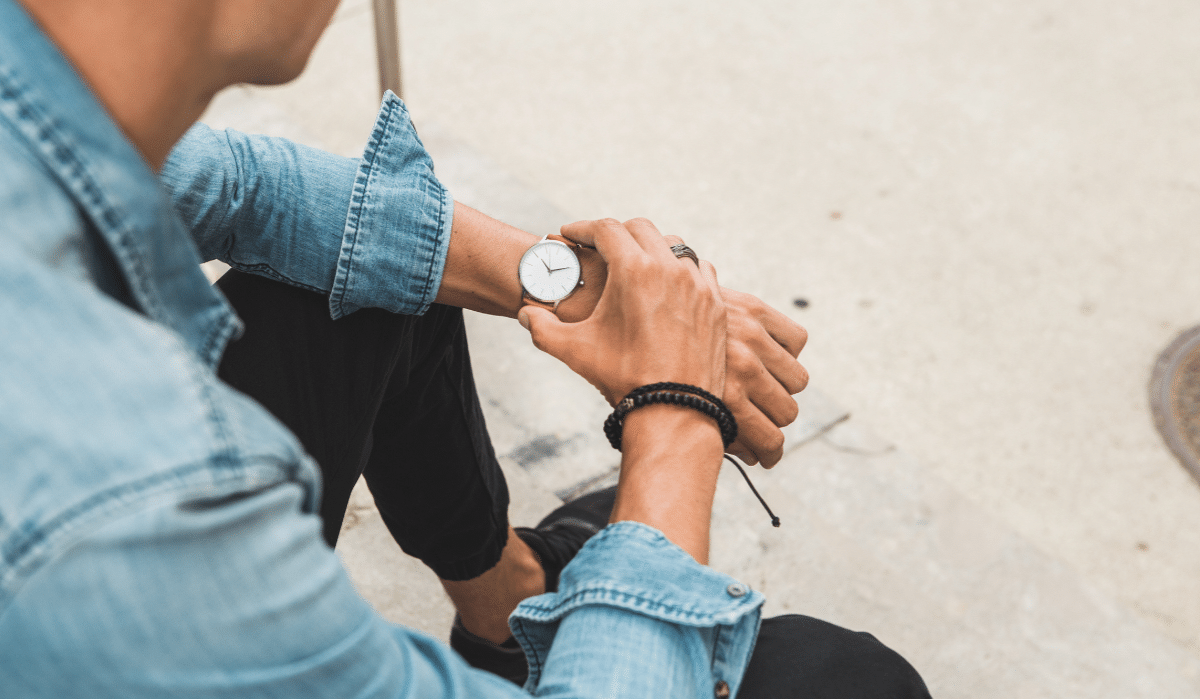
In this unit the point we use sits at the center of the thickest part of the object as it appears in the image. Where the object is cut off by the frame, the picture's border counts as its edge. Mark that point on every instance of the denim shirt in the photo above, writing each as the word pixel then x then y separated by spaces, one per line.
pixel 158 530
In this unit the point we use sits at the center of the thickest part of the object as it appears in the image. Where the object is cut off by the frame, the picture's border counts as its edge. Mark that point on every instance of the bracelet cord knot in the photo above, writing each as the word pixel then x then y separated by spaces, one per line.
pixel 693 397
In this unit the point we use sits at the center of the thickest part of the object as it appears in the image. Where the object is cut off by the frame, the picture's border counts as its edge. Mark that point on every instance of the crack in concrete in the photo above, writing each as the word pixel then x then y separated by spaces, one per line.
pixel 818 433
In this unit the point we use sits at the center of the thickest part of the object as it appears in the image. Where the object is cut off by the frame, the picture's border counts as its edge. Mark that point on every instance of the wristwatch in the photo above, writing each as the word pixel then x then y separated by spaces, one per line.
pixel 550 271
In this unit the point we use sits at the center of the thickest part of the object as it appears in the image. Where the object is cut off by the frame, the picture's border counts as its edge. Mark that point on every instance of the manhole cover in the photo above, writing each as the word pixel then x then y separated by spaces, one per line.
pixel 1175 398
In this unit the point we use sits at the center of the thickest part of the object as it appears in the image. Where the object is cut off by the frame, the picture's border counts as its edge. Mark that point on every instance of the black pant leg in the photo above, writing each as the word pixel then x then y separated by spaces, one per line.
pixel 797 656
pixel 321 378
pixel 445 501
pixel 382 389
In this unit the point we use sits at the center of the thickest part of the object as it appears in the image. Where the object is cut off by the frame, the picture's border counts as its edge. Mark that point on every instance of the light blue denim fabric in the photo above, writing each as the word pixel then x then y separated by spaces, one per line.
pixel 371 232
pixel 158 534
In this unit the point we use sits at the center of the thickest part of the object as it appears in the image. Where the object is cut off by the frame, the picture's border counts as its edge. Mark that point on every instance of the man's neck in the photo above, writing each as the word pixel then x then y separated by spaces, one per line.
pixel 143 60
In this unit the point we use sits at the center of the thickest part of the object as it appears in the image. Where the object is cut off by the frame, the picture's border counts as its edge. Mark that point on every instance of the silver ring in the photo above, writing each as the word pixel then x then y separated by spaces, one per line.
pixel 682 251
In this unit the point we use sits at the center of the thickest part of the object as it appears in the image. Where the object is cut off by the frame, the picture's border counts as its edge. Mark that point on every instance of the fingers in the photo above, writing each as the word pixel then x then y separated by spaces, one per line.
pixel 609 237
pixel 747 375
pixel 757 433
pixel 783 330
pixel 737 449
pixel 752 348
pixel 791 335
pixel 602 234
pixel 580 232
pixel 772 399
pixel 649 238
pixel 782 366
pixel 546 330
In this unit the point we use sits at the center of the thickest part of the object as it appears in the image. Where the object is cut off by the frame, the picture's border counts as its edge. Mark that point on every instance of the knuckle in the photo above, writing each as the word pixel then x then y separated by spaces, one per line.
pixel 739 323
pixel 754 307
pixel 742 412
pixel 773 443
pixel 718 314
pixel 791 412
pixel 800 341
pixel 732 296
pixel 740 360
pixel 640 265
pixel 744 454
pixel 799 382
pixel 717 307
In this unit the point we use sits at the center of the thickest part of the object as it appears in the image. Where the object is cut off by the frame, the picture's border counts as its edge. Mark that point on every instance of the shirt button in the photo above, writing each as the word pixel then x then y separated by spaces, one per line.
pixel 736 590
pixel 721 690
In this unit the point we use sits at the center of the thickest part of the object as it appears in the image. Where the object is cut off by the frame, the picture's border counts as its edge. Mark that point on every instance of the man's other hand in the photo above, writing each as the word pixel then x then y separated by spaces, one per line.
pixel 762 373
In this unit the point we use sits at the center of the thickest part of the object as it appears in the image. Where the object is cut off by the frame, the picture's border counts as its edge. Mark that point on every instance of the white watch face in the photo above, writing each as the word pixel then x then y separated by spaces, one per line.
pixel 549 271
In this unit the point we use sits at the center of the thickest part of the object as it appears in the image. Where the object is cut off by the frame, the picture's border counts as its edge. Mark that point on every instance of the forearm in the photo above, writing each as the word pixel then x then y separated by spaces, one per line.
pixel 481 264
pixel 481 268
pixel 670 459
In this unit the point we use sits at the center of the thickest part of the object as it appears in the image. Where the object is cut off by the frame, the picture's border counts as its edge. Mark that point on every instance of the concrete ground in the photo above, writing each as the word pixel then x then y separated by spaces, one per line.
pixel 991 209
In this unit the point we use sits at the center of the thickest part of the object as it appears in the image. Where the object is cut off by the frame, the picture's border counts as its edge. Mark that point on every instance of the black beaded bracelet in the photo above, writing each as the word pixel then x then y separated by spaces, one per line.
pixel 677 394
pixel 681 395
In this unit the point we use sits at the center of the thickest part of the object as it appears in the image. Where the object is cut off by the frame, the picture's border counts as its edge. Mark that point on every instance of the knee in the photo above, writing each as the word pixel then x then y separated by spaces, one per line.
pixel 800 656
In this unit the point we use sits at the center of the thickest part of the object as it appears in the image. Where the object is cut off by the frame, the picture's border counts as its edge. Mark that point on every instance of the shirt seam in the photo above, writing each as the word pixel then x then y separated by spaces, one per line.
pixel 22 554
pixel 427 278
pixel 71 170
pixel 638 603
pixel 265 270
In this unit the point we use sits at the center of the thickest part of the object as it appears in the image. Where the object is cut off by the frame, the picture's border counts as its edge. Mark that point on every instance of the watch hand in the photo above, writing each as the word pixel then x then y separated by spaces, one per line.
pixel 559 268
pixel 547 265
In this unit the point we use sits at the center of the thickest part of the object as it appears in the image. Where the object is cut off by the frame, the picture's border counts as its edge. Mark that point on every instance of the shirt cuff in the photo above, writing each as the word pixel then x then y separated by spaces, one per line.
pixel 703 620
pixel 398 226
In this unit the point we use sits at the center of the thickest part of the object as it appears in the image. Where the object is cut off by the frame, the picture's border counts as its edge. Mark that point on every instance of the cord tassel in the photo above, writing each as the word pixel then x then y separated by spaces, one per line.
pixel 774 518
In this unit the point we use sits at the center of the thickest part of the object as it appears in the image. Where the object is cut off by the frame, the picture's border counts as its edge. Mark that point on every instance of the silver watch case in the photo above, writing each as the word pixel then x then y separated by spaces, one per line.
pixel 546 241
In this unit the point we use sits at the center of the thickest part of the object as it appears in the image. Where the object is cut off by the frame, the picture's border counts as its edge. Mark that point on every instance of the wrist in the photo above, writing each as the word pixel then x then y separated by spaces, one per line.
pixel 670 459
pixel 664 428
pixel 481 264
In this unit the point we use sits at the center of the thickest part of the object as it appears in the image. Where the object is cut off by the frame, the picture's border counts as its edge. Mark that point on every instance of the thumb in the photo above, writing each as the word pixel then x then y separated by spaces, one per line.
pixel 544 328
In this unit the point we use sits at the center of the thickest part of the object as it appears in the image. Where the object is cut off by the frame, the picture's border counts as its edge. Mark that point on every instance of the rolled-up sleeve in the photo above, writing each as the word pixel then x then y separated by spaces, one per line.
pixel 636 616
pixel 369 232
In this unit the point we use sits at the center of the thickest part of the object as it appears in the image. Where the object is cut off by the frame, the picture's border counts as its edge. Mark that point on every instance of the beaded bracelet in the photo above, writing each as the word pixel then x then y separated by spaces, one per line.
pixel 681 395
pixel 673 393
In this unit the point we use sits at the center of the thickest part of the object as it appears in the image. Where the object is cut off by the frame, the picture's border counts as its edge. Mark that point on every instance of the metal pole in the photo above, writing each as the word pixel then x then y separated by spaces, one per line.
pixel 387 46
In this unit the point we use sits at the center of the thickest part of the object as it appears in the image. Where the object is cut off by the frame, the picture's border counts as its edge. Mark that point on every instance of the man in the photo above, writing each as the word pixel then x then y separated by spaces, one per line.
pixel 159 528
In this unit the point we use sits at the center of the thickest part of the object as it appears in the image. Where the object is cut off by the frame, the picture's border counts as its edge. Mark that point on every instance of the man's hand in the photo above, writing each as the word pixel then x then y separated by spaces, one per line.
pixel 480 274
pixel 762 370
pixel 761 374
pixel 659 319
